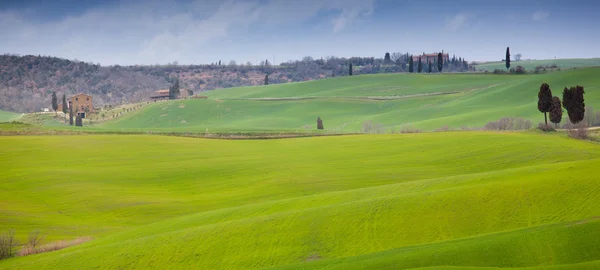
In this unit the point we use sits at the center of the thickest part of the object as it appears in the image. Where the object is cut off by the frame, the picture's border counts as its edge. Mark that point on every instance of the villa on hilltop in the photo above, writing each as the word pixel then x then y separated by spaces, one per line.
pixel 431 57
pixel 163 94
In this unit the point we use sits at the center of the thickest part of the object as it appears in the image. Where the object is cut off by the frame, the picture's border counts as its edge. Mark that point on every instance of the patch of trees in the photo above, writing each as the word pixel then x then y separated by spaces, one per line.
pixel 573 101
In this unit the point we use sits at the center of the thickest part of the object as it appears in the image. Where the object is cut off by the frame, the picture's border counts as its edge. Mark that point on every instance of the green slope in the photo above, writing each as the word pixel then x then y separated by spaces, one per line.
pixel 424 101
pixel 373 201
pixel 531 64
pixel 7 116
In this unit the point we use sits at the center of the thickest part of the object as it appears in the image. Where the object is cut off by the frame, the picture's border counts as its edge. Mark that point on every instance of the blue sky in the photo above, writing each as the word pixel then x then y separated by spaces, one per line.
pixel 128 32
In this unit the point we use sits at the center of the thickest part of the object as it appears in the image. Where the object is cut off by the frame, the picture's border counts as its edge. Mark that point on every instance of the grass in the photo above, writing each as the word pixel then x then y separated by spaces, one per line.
pixel 464 199
pixel 531 64
pixel 6 116
pixel 425 102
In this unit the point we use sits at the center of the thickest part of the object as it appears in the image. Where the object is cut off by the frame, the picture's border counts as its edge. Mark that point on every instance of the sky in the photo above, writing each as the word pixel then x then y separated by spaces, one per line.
pixel 130 32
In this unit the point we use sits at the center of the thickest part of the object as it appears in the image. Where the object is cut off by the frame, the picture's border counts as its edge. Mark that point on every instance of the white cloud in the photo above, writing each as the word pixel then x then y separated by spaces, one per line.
pixel 162 31
pixel 457 22
pixel 540 16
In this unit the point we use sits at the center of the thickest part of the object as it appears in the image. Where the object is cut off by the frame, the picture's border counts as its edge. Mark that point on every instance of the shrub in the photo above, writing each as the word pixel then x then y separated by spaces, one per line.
pixel 508 123
pixel 578 131
pixel 369 127
pixel 319 123
pixel 7 244
pixel 545 128
pixel 366 127
pixel 499 71
pixel 442 129
pixel 520 70
pixel 29 250
pixel 409 129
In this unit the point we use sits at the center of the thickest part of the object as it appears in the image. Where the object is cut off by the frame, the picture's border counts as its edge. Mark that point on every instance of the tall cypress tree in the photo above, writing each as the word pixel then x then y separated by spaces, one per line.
pixel 64 104
pixel 54 102
pixel 411 65
pixel 420 66
pixel 350 69
pixel 507 59
pixel 267 79
pixel 429 68
pixel 70 114
pixel 556 111
pixel 545 100
pixel 440 62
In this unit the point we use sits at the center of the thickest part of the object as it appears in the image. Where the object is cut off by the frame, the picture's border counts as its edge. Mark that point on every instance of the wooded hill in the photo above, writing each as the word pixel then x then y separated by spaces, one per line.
pixel 27 82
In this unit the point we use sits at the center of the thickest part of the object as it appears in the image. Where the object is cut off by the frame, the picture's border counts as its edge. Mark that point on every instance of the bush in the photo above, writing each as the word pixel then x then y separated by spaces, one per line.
pixel 545 128
pixel 369 127
pixel 508 123
pixel 319 123
pixel 29 250
pixel 578 131
pixel 409 129
pixel 520 70
pixel 7 244
pixel 499 71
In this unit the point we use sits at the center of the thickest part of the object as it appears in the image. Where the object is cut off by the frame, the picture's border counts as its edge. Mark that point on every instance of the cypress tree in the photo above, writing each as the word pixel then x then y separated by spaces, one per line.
pixel 429 68
pixel 350 69
pixel 507 59
pixel 64 104
pixel 70 114
pixel 420 66
pixel 556 111
pixel 267 79
pixel 54 102
pixel 440 62
pixel 411 67
pixel 545 100
pixel 574 103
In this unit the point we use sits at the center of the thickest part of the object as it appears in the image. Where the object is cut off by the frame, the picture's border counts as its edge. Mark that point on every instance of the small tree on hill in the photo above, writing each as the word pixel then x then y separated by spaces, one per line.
pixel 387 59
pixel 574 103
pixel 70 114
pixel 556 111
pixel 440 62
pixel 545 100
pixel 319 123
pixel 507 59
pixel 64 104
pixel 174 90
pixel 267 79
pixel 54 102
pixel 420 66
pixel 350 69
pixel 411 65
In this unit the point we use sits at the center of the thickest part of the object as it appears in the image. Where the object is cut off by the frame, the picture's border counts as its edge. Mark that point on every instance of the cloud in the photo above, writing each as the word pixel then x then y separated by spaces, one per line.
pixel 141 32
pixel 457 22
pixel 539 16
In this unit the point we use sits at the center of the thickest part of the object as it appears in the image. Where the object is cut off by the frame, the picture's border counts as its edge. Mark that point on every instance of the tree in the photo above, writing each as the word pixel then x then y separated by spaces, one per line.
pixel 319 123
pixel 429 68
pixel 64 104
pixel 518 57
pixel 507 59
pixel 54 102
pixel 70 113
pixel 556 111
pixel 545 100
pixel 440 62
pixel 420 66
pixel 574 103
pixel 267 79
pixel 350 69
pixel 387 59
pixel 78 121
pixel 411 65
pixel 174 90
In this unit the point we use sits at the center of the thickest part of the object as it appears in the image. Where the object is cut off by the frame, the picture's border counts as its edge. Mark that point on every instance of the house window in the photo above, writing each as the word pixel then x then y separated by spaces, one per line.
pixel 88 99
pixel 76 99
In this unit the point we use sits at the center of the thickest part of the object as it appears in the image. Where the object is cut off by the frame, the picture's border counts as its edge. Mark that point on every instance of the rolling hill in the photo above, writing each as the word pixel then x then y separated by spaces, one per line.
pixel 455 199
pixel 531 64
pixel 391 101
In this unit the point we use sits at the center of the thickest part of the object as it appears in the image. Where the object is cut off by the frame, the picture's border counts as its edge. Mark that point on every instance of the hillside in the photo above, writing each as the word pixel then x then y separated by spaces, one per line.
pixel 531 64
pixel 7 116
pixel 471 199
pixel 388 101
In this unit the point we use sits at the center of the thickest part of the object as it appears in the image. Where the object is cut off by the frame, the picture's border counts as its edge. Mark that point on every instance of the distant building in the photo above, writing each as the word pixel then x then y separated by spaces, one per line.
pixel 430 57
pixel 82 104
pixel 164 94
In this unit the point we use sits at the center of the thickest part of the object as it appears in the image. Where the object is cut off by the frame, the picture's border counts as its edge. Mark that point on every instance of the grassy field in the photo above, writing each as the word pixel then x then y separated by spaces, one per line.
pixel 7 116
pixel 392 100
pixel 452 199
pixel 531 64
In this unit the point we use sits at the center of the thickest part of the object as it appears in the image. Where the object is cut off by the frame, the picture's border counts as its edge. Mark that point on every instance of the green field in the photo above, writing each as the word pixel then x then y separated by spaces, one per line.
pixel 452 199
pixel 7 116
pixel 531 64
pixel 394 101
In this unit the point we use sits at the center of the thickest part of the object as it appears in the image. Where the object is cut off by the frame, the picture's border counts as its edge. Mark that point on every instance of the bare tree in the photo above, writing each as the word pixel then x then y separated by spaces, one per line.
pixel 518 57
pixel 35 237
pixel 7 244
